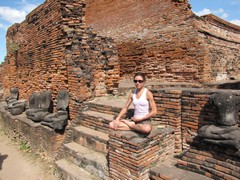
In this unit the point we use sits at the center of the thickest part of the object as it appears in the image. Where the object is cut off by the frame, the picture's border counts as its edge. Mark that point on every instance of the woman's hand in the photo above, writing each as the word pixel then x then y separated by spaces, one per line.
pixel 116 124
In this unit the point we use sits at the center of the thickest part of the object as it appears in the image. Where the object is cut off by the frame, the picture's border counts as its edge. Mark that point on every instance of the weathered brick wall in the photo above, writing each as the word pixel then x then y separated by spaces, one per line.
pixel 212 161
pixel 54 49
pixel 92 63
pixel 168 102
pixel 197 111
pixel 131 156
pixel 149 38
pixel 39 138
pixel 222 41
pixel 37 61
pixel 186 110
pixel 165 40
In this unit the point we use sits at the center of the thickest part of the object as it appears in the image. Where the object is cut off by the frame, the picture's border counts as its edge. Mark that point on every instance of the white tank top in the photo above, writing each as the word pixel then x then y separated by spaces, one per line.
pixel 141 105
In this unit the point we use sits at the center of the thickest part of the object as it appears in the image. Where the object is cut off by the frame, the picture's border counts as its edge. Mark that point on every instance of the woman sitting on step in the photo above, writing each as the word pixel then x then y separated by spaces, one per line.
pixel 144 108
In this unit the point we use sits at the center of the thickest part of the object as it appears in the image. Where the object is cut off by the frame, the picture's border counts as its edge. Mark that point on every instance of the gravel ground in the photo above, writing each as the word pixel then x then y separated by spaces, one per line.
pixel 18 162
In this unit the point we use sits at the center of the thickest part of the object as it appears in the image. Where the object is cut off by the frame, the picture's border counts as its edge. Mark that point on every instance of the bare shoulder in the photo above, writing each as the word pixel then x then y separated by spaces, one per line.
pixel 149 94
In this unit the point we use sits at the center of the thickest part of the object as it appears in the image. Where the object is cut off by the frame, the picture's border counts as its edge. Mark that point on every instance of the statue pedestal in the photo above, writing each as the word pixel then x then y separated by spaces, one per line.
pixel 212 161
pixel 40 138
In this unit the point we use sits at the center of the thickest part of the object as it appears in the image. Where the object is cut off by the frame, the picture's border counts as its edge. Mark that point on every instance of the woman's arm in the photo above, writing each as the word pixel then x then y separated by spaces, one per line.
pixel 153 108
pixel 125 108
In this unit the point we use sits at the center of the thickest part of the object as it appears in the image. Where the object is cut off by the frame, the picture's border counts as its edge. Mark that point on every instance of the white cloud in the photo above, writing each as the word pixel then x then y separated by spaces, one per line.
pixel 219 12
pixel 13 15
pixel 27 7
pixel 2 26
pixel 224 16
pixel 235 2
pixel 203 12
pixel 236 21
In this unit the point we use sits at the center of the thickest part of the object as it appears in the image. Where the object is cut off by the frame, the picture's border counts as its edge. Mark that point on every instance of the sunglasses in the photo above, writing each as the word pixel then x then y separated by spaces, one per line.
pixel 138 81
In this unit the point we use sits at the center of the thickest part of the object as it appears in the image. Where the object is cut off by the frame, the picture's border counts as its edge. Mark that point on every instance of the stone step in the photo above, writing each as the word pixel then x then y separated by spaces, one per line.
pixel 91 138
pixel 108 104
pixel 92 161
pixel 168 170
pixel 95 120
pixel 212 168
pixel 99 115
pixel 126 86
pixel 68 171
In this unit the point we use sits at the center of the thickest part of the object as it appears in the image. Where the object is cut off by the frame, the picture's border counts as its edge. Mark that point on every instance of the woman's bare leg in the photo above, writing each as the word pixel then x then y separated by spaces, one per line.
pixel 121 126
pixel 143 128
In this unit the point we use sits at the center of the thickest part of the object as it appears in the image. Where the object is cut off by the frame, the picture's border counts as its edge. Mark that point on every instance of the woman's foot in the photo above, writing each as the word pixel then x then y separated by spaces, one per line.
pixel 130 124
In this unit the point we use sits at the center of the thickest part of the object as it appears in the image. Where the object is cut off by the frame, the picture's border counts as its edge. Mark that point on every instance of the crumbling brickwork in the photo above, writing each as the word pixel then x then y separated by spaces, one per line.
pixel 131 156
pixel 169 112
pixel 39 138
pixel 165 40
pixel 212 161
pixel 186 110
pixel 54 49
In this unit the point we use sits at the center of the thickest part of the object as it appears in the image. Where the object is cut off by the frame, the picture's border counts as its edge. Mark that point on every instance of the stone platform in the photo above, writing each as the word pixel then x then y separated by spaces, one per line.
pixel 40 138
pixel 212 161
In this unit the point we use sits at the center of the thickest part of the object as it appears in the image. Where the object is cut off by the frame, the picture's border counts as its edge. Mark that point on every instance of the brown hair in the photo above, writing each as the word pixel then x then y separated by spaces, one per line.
pixel 140 74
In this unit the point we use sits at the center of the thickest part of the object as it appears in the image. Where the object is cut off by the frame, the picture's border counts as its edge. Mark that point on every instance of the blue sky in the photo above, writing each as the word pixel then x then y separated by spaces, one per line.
pixel 14 11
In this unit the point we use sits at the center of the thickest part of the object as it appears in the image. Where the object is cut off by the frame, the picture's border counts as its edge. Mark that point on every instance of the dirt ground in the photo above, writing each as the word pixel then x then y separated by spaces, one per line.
pixel 22 164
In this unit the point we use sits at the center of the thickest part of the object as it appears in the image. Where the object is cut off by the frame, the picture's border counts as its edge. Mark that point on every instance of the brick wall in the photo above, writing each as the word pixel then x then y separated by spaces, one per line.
pixel 222 41
pixel 92 63
pixel 186 110
pixel 131 156
pixel 41 139
pixel 169 112
pixel 54 49
pixel 212 161
pixel 165 40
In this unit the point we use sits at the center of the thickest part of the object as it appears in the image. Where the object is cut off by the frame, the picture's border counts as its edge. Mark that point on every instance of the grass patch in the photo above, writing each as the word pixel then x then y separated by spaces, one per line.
pixel 24 146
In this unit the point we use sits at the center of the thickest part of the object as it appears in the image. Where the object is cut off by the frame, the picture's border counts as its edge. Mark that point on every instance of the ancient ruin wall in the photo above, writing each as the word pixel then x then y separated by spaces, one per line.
pixel 35 51
pixel 92 63
pixel 222 44
pixel 163 38
pixel 53 49
pixel 186 110
pixel 149 37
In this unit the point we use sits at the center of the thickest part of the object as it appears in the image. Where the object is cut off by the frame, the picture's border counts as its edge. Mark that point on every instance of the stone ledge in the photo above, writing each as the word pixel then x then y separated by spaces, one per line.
pixel 212 161
pixel 40 138
pixel 221 23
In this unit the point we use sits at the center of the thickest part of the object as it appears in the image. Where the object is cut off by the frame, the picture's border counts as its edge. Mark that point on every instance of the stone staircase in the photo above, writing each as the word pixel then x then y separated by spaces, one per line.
pixel 85 157
pixel 85 154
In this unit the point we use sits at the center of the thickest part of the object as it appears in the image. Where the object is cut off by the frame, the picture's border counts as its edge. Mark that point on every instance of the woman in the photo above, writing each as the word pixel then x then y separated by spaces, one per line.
pixel 144 108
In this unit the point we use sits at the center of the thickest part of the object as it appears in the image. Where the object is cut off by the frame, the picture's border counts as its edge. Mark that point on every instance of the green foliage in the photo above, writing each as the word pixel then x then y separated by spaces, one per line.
pixel 24 146
pixel 13 47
